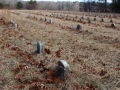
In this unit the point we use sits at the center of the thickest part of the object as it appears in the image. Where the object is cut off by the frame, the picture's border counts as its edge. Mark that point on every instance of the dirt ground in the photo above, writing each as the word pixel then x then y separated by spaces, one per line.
pixel 93 52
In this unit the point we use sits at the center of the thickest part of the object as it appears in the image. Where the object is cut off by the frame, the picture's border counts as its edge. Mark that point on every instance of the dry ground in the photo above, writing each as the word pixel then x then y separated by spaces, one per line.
pixel 93 53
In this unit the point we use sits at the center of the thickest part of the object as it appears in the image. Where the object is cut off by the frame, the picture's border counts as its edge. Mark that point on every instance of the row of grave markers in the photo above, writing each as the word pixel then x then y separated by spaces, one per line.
pixel 81 19
pixel 89 20
pixel 46 20
pixel 62 16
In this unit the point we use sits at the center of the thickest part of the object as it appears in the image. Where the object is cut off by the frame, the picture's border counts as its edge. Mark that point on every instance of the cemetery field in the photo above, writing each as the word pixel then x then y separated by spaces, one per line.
pixel 93 52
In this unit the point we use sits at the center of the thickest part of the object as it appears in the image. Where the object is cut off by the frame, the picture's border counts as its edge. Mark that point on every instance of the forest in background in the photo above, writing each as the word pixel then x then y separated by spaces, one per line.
pixel 85 6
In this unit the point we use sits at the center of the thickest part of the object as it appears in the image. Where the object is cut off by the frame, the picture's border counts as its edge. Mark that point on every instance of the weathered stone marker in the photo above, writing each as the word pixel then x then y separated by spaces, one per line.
pixel 73 19
pixel 102 20
pixel 78 27
pixel 15 26
pixel 40 18
pixel 50 20
pixel 89 21
pixel 45 19
pixel 63 68
pixel 80 19
pixel 12 23
pixel 112 25
pixel 111 21
pixel 94 18
pixel 88 18
pixel 40 47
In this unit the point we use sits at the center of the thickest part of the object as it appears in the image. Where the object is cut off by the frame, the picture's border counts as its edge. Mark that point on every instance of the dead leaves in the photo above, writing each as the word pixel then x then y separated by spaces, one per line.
pixel 50 72
pixel 19 68
pixel 28 58
pixel 20 86
pixel 19 77
pixel 102 72
pixel 116 45
pixel 58 53
pixel 88 86
pixel 18 50
pixel 5 45
pixel 4 22
pixel 47 51
pixel 53 79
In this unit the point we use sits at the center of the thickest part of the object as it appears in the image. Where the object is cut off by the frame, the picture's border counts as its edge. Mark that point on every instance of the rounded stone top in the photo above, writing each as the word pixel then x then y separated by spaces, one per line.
pixel 63 64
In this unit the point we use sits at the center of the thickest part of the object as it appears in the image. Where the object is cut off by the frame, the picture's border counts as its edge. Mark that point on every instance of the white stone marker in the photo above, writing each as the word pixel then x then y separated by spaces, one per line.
pixel 40 47
pixel 12 23
pixel 15 26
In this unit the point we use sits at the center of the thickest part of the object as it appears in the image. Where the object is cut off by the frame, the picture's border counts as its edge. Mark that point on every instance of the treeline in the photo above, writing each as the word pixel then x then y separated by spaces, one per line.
pixel 42 5
pixel 86 6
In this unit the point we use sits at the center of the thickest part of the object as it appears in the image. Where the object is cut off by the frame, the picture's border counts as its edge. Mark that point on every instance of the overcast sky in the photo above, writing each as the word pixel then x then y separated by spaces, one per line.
pixel 62 0
pixel 54 0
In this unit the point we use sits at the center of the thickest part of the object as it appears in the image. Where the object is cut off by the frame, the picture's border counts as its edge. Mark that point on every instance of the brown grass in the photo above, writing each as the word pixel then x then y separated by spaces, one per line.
pixel 93 54
pixel 6 13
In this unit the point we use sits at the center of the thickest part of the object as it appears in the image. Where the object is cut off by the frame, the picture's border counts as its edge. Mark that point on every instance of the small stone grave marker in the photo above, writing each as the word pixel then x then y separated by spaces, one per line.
pixel 88 18
pixel 78 27
pixel 102 20
pixel 45 19
pixel 94 18
pixel 111 21
pixel 50 20
pixel 15 26
pixel 80 19
pixel 89 21
pixel 63 68
pixel 40 47
pixel 40 18
pixel 73 19
pixel 12 23
pixel 112 25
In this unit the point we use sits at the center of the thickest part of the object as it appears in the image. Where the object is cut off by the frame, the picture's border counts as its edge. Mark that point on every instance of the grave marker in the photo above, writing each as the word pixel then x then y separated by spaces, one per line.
pixel 40 18
pixel 78 27
pixel 63 68
pixel 45 20
pixel 12 23
pixel 94 18
pixel 111 21
pixel 89 21
pixel 80 19
pixel 88 18
pixel 102 20
pixel 112 25
pixel 40 47
pixel 15 26
pixel 73 19
pixel 50 20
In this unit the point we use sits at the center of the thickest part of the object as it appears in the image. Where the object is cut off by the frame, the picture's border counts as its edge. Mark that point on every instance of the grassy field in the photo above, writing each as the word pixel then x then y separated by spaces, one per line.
pixel 93 52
